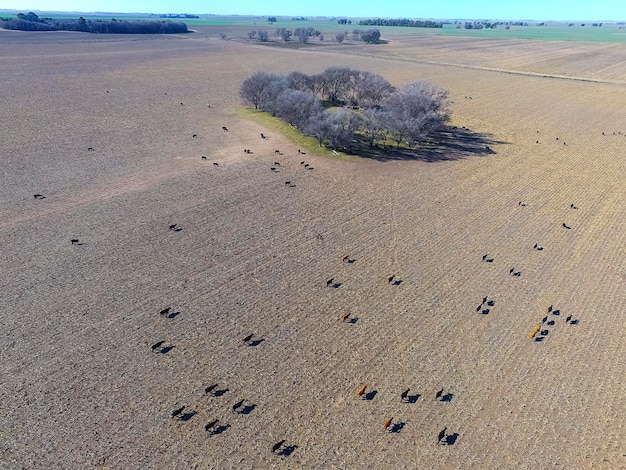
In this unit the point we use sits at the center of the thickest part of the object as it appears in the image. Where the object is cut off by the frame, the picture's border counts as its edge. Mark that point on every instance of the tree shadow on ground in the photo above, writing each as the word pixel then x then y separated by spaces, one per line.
pixel 448 144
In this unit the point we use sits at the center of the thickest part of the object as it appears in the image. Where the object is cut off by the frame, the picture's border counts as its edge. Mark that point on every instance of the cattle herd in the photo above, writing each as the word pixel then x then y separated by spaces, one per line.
pixel 217 425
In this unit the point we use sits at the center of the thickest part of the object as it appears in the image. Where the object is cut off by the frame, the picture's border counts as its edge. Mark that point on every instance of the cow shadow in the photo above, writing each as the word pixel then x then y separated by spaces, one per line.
pixel 397 427
pixel 187 416
pixel 219 393
pixel 166 349
pixel 255 343
pixel 550 323
pixel 397 282
pixel 574 322
pixel 369 396
pixel 172 315
pixel 336 285
pixel 352 321
pixel 539 339
pixel 288 450
pixel 544 332
pixel 447 398
pixel 246 410
pixel 485 311
pixel 412 399
pixel 451 439
pixel 220 429
pixel 491 303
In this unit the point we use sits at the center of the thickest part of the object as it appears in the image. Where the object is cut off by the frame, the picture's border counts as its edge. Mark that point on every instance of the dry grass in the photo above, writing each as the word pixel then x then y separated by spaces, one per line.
pixel 81 387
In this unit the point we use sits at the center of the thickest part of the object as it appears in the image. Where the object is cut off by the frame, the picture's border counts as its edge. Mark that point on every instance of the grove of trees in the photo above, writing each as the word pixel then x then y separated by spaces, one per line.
pixel 32 22
pixel 343 107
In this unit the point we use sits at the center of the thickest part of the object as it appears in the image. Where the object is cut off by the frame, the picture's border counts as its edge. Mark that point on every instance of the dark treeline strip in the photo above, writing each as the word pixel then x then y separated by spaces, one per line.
pixel 401 22
pixel 32 22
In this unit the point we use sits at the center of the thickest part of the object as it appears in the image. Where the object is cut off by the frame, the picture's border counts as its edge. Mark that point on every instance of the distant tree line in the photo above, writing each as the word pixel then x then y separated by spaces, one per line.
pixel 343 107
pixel 401 22
pixel 484 24
pixel 177 15
pixel 32 22
pixel 303 35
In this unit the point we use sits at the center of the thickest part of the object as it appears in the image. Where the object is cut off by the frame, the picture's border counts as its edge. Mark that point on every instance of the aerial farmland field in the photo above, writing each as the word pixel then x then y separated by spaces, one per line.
pixel 92 371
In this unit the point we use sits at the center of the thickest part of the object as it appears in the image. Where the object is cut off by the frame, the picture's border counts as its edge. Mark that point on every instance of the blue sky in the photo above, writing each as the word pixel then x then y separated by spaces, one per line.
pixel 479 9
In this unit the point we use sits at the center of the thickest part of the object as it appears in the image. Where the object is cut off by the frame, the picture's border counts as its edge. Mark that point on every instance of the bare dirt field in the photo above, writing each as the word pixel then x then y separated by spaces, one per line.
pixel 80 385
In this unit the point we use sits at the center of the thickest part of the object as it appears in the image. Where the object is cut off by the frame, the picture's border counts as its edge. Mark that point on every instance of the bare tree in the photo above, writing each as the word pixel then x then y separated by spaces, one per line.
pixel 335 82
pixel 300 81
pixel 223 35
pixel 274 87
pixel 263 36
pixel 371 36
pixel 372 90
pixel 284 34
pixel 375 126
pixel 296 107
pixel 302 35
pixel 340 37
pixel 366 89
pixel 414 110
pixel 344 124
pixel 319 126
pixel 261 89
pixel 251 90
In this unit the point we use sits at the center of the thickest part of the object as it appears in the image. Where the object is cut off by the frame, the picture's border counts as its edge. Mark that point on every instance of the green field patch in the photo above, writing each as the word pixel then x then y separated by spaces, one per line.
pixel 304 142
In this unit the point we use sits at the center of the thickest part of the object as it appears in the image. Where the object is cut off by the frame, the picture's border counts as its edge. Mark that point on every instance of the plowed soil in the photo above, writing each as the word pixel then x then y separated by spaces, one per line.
pixel 81 386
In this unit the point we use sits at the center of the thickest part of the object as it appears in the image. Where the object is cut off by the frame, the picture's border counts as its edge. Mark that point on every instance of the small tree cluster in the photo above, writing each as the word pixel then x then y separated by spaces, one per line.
pixel 301 34
pixel 370 36
pixel 316 105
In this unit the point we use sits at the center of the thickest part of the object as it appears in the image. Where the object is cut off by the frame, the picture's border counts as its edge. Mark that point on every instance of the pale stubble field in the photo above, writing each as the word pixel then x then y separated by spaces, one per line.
pixel 81 387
